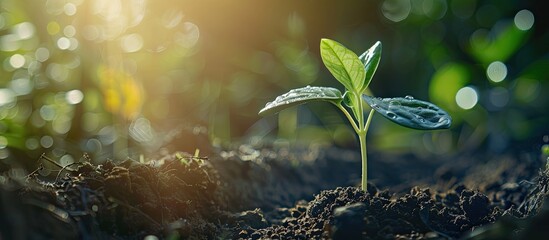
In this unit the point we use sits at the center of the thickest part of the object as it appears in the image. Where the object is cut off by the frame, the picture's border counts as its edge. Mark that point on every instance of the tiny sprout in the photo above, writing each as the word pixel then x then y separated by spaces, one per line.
pixel 355 74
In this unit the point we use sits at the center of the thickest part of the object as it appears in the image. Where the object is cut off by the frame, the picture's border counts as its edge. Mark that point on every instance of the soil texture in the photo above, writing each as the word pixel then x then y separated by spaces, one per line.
pixel 253 193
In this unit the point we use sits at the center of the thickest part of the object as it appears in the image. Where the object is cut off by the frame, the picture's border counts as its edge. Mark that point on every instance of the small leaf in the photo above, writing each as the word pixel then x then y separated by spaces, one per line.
pixel 370 60
pixel 410 112
pixel 300 96
pixel 348 99
pixel 343 64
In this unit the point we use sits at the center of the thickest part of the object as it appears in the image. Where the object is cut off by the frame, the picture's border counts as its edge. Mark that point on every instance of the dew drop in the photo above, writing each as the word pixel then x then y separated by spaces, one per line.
pixel 394 104
pixel 409 97
pixel 391 115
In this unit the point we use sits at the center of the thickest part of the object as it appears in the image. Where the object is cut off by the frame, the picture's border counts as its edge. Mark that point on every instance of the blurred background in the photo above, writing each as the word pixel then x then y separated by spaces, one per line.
pixel 130 78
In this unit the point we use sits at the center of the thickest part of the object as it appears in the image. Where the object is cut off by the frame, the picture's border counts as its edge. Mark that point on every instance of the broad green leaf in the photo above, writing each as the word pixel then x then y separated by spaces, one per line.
pixel 343 64
pixel 409 112
pixel 370 60
pixel 300 96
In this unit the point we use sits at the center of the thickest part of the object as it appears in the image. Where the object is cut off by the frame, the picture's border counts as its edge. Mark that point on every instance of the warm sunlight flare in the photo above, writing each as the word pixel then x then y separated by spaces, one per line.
pixel 138 119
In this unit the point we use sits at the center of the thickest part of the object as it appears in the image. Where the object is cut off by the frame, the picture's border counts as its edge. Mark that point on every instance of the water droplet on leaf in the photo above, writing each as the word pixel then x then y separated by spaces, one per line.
pixel 391 115
pixel 394 104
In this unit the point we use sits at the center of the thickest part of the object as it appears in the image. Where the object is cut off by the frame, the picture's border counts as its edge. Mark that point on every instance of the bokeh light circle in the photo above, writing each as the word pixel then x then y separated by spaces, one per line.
pixel 17 61
pixel 69 9
pixel 496 71
pixel 69 31
pixel 524 20
pixel 74 96
pixel 467 98
pixel 42 54
pixel 396 10
pixel 32 144
pixel 46 141
pixel 63 43
pixel 131 43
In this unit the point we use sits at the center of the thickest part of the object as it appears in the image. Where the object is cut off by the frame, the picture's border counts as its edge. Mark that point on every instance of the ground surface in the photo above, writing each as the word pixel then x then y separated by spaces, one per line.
pixel 279 194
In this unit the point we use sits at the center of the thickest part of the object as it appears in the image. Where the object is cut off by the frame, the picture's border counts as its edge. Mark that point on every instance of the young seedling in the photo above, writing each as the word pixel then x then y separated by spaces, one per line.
pixel 355 73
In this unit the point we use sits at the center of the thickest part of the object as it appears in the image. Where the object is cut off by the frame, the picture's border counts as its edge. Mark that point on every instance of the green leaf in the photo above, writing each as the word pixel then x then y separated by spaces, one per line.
pixel 370 60
pixel 409 112
pixel 302 95
pixel 348 99
pixel 343 64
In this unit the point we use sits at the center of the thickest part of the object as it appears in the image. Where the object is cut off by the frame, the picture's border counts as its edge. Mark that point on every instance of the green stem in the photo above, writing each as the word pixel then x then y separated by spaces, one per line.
pixel 361 131
pixel 364 151
pixel 351 120
pixel 364 154
pixel 360 114
pixel 369 120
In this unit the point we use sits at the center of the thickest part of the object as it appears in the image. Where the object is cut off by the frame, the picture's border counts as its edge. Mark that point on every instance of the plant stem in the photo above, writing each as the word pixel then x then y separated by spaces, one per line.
pixel 361 131
pixel 351 120
pixel 369 120
pixel 364 155
pixel 364 151
pixel 360 115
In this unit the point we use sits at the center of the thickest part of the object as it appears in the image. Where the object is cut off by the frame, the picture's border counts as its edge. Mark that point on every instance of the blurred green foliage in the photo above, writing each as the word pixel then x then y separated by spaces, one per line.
pixel 119 78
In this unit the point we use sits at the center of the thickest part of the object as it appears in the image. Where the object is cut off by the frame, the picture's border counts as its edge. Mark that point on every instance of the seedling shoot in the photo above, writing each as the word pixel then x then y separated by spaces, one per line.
pixel 355 73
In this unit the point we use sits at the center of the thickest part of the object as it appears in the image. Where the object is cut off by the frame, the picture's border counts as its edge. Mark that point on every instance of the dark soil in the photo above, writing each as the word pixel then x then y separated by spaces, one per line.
pixel 252 193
